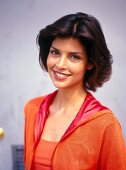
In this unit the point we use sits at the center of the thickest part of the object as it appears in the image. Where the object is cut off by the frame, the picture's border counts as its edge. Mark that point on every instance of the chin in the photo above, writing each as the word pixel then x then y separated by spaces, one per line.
pixel 59 86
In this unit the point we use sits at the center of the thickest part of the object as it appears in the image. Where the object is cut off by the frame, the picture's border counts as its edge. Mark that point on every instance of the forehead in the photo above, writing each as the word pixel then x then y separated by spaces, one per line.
pixel 69 44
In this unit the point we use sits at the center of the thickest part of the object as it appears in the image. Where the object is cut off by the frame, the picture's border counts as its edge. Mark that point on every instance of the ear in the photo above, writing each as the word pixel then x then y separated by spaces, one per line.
pixel 89 66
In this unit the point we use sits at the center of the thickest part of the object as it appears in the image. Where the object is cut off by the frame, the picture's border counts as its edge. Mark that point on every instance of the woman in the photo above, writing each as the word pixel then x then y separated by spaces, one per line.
pixel 69 129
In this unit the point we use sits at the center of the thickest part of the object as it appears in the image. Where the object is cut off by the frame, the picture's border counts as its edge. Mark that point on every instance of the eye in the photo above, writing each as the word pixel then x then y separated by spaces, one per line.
pixel 54 52
pixel 74 58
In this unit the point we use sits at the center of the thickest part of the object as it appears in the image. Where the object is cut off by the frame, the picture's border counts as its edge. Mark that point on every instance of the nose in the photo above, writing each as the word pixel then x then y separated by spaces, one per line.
pixel 61 63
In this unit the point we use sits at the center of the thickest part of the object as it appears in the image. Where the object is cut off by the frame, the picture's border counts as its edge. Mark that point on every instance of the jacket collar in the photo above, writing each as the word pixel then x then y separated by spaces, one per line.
pixel 89 107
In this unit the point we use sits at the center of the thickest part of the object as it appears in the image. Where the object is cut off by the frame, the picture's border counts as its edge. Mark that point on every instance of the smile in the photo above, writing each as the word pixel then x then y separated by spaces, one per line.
pixel 60 76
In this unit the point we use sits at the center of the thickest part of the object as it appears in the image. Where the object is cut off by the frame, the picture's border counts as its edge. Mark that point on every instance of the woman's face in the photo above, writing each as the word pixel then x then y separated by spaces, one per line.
pixel 67 63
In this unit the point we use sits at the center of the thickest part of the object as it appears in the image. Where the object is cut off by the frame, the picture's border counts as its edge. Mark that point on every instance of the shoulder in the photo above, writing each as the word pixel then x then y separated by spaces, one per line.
pixel 104 120
pixel 105 126
pixel 107 117
pixel 35 102
pixel 102 114
pixel 33 105
pixel 111 121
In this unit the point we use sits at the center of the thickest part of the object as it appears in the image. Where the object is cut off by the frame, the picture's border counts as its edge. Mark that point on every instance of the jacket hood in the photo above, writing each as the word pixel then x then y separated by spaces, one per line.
pixel 90 109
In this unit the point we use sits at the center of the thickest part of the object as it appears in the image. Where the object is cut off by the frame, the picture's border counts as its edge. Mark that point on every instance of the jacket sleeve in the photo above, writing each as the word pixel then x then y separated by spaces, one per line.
pixel 25 113
pixel 113 150
pixel 30 110
pixel 29 119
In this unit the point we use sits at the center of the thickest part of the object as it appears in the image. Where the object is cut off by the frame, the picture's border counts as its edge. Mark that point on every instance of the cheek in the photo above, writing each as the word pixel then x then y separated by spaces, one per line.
pixel 49 64
pixel 80 71
pixel 78 68
pixel 50 61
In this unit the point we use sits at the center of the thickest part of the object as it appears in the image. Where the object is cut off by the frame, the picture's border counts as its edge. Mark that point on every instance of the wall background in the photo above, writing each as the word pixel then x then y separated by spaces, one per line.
pixel 21 77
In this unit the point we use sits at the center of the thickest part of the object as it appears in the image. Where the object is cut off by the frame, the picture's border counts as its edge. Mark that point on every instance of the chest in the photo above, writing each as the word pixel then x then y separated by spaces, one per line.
pixel 56 126
pixel 81 149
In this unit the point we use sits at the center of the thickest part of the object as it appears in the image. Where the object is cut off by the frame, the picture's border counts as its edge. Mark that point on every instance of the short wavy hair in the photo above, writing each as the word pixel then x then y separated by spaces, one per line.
pixel 87 29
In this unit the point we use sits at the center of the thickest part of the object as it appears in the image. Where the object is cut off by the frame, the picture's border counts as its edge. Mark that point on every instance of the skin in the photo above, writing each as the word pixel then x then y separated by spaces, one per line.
pixel 67 63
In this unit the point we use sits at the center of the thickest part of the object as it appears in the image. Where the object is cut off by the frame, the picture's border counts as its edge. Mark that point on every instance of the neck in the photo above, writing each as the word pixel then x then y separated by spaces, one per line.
pixel 69 98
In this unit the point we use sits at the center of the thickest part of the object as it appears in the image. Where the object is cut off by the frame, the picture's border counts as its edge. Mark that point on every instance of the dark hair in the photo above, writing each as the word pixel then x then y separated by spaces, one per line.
pixel 88 30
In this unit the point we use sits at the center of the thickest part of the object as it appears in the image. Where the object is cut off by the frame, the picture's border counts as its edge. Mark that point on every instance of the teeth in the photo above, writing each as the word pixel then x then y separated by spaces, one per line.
pixel 60 75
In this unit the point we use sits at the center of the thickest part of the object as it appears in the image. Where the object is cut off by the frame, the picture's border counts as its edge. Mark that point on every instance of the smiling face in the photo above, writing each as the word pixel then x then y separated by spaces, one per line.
pixel 67 63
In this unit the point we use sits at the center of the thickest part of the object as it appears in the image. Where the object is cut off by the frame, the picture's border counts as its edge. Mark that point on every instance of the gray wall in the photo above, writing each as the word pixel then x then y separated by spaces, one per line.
pixel 21 77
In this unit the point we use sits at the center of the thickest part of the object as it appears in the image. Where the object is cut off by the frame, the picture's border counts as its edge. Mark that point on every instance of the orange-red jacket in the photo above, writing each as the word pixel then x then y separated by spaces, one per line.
pixel 92 142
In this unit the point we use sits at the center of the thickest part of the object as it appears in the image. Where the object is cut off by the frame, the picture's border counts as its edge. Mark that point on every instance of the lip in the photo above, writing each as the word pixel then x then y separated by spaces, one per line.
pixel 60 76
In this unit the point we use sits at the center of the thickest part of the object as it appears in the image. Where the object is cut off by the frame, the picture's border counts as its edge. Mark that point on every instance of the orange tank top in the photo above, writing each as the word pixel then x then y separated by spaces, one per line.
pixel 43 155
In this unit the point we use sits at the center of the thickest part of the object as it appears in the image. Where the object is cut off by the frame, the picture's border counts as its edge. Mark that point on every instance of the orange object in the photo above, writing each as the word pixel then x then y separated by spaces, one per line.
pixel 43 155
pixel 93 141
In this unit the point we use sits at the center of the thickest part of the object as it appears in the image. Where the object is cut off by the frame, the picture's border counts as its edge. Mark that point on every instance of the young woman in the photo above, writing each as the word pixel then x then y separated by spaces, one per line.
pixel 69 129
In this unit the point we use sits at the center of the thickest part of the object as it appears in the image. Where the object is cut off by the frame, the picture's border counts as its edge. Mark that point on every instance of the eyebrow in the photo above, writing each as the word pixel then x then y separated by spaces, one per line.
pixel 82 53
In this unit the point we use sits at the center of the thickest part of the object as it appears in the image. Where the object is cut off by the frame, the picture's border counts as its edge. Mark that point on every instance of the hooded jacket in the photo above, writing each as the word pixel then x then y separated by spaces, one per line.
pixel 93 141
